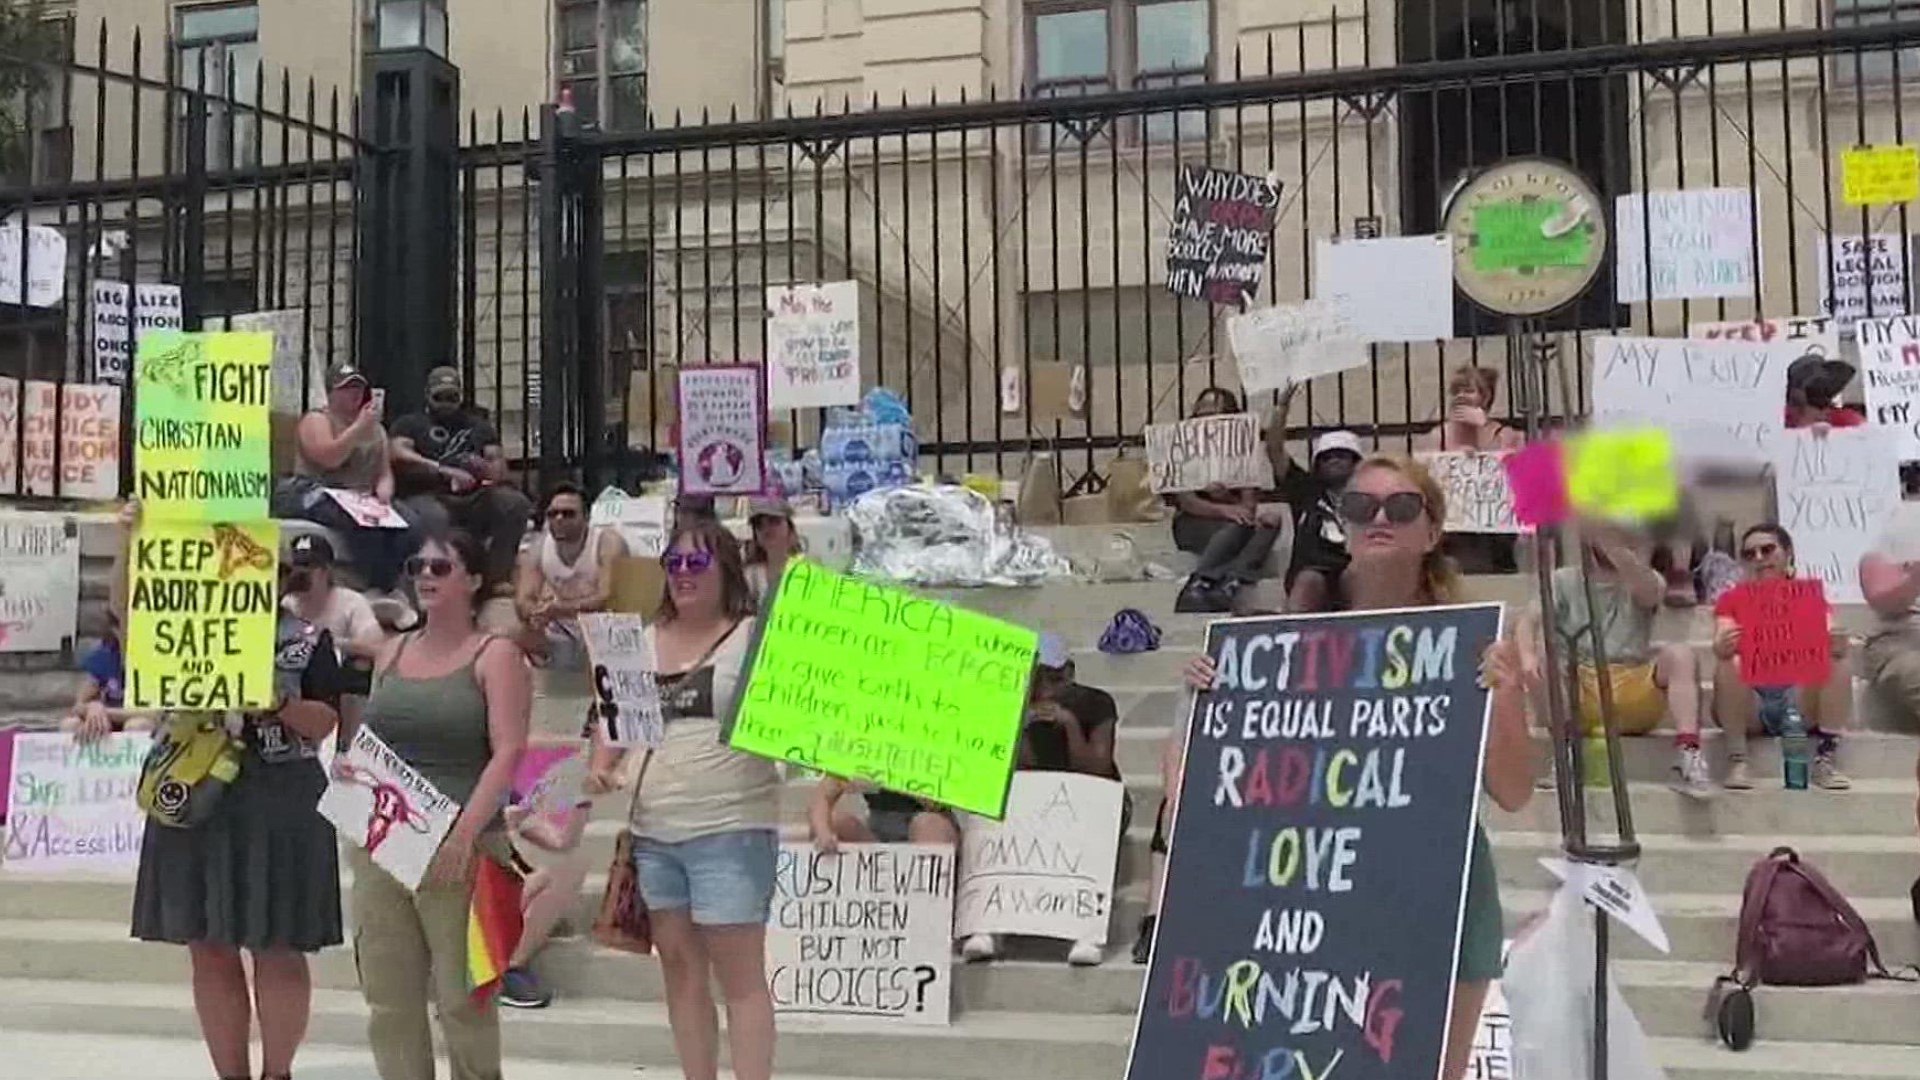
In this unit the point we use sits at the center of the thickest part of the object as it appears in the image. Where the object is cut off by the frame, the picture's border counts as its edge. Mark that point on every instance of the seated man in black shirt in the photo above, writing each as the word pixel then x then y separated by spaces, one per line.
pixel 1319 537
pixel 448 466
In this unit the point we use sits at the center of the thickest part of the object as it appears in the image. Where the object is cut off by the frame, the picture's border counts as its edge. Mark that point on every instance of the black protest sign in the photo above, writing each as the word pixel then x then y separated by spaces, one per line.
pixel 1314 896
pixel 1222 231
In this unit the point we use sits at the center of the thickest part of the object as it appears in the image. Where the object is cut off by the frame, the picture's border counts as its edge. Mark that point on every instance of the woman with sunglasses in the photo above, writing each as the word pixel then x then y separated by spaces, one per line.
pixel 453 702
pixel 1394 512
pixel 1226 527
pixel 1766 553
pixel 704 817
pixel 567 570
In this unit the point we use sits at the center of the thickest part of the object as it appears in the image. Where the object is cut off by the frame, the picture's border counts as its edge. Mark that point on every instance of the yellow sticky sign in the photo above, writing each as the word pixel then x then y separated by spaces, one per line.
pixel 202 440
pixel 1880 175
pixel 1622 475
pixel 871 683
pixel 202 612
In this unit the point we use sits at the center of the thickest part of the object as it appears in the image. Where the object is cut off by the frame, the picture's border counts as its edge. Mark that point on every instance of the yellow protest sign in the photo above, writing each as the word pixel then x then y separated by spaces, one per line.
pixel 201 615
pixel 201 436
pixel 1624 475
pixel 871 683
pixel 1880 175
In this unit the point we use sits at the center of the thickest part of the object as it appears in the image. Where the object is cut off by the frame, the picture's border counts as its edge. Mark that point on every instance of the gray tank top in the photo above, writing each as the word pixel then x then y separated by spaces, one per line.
pixel 437 725
pixel 359 471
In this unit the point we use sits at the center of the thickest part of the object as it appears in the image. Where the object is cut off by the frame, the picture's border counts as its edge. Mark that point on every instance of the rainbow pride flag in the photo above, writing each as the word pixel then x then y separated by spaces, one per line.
pixel 494 926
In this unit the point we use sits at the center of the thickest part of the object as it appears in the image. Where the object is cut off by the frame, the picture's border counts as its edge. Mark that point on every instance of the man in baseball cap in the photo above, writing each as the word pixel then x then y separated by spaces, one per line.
pixel 449 468
pixel 310 593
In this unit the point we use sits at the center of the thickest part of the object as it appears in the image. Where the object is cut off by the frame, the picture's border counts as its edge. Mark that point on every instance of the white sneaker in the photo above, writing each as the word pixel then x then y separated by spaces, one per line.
pixel 980 947
pixel 1691 776
pixel 1085 954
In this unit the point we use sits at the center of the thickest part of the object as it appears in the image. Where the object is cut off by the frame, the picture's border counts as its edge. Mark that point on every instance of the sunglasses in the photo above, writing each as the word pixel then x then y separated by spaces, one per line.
pixel 444 399
pixel 1402 507
pixel 419 567
pixel 687 563
pixel 1755 554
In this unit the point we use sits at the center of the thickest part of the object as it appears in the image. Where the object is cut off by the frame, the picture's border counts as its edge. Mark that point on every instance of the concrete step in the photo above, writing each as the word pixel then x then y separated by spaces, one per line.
pixel 1872 808
pixel 1667 997
pixel 1697 1058
pixel 977 1046
pixel 1859 866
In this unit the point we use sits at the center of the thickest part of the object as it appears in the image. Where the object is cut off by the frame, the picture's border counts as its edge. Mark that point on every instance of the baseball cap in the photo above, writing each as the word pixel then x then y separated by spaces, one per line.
pixel 1053 651
pixel 1819 376
pixel 442 379
pixel 1339 440
pixel 768 506
pixel 343 373
pixel 311 550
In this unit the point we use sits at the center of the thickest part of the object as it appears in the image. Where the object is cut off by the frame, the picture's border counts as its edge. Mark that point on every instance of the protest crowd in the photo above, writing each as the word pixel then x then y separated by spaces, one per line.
pixel 393 686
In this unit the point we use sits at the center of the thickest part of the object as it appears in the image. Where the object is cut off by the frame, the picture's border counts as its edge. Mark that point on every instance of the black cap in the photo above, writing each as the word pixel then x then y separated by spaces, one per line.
pixel 1820 378
pixel 310 549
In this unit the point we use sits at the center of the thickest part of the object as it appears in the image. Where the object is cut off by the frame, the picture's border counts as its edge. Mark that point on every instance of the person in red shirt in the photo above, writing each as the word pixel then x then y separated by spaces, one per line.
pixel 1814 384
pixel 1766 551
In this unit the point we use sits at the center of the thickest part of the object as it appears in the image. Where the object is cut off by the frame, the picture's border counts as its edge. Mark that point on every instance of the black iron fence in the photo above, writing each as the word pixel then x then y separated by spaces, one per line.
pixel 1009 252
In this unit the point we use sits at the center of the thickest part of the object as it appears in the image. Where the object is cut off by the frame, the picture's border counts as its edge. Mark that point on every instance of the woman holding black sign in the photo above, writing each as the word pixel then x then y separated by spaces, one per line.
pixel 1394 512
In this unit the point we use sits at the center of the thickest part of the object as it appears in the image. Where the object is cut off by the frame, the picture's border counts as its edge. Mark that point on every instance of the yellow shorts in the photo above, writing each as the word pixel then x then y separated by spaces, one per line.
pixel 1638 702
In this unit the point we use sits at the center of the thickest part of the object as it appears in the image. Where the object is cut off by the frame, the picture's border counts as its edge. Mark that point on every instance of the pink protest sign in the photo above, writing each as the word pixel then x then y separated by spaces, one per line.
pixel 549 779
pixel 1537 474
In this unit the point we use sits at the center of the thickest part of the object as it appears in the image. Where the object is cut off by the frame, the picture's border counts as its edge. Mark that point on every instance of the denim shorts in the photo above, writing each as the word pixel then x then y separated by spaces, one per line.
pixel 1772 703
pixel 725 879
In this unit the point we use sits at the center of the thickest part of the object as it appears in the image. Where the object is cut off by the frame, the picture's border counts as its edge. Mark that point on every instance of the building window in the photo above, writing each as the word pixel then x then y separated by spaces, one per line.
pixel 38 122
pixel 1082 47
pixel 627 280
pixel 773 52
pixel 603 61
pixel 216 48
pixel 1877 66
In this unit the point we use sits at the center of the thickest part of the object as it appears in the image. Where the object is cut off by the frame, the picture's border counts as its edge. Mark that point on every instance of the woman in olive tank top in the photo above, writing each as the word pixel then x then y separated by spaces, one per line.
pixel 452 702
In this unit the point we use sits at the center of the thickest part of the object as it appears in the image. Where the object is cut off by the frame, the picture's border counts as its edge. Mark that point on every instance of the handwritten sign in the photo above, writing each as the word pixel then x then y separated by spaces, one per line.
pixel 1783 631
pixel 1662 382
pixel 366 511
pixel 202 616
pixel 1322 838
pixel 71 808
pixel 1479 499
pixel 641 520
pixel 1813 333
pixel 45 259
pixel 39 582
pixel 1879 175
pixel 1221 232
pixel 89 439
pixel 1890 366
pixel 813 345
pixel 866 931
pixel 1836 496
pixel 1862 276
pixel 870 683
pixel 1622 475
pixel 1279 346
pixel 626 697
pixel 1047 870
pixel 386 807
pixel 1193 455
pixel 1493 1039
pixel 1685 243
pixel 294 390
pixel 1390 289
pixel 1537 477
pixel 722 430
pixel 121 316
pixel 201 401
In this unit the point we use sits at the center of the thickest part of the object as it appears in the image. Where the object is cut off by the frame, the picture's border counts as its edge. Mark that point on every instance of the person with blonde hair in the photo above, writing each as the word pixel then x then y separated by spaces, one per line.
pixel 1469 424
pixel 1394 511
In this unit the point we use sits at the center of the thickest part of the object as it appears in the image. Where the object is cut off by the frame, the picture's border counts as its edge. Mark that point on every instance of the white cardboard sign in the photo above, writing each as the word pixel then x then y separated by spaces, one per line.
pixel 723 430
pixel 626 697
pixel 1689 244
pixel 1047 869
pixel 1836 495
pixel 366 510
pixel 1493 1038
pixel 1890 368
pixel 1855 269
pixel 813 345
pixel 386 807
pixel 1193 455
pixel 155 307
pixel 72 807
pixel 1389 289
pixel 1479 499
pixel 46 263
pixel 641 520
pixel 1279 346
pixel 864 932
pixel 1666 383
pixel 39 582
pixel 1616 891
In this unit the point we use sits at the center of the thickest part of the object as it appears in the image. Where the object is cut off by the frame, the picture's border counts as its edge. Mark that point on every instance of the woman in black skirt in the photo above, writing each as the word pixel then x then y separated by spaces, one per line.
pixel 262 874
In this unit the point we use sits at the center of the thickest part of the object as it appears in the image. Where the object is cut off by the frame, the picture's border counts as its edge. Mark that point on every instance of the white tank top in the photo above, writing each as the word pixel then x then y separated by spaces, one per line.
pixel 582 576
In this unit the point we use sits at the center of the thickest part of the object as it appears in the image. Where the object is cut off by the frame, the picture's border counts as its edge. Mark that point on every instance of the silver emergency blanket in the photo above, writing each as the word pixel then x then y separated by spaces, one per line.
pixel 947 536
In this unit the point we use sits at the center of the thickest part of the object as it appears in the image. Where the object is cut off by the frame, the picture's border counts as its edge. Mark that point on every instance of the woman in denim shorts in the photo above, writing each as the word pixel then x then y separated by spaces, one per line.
pixel 705 817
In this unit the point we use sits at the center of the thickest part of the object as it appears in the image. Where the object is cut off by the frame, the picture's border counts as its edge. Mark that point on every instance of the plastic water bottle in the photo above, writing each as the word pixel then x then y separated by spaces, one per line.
pixel 1795 754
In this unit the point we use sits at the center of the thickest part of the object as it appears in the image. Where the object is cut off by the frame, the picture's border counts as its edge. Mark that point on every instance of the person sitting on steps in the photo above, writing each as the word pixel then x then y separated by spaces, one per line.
pixel 452 472
pixel 1226 527
pixel 1742 710
pixel 567 570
